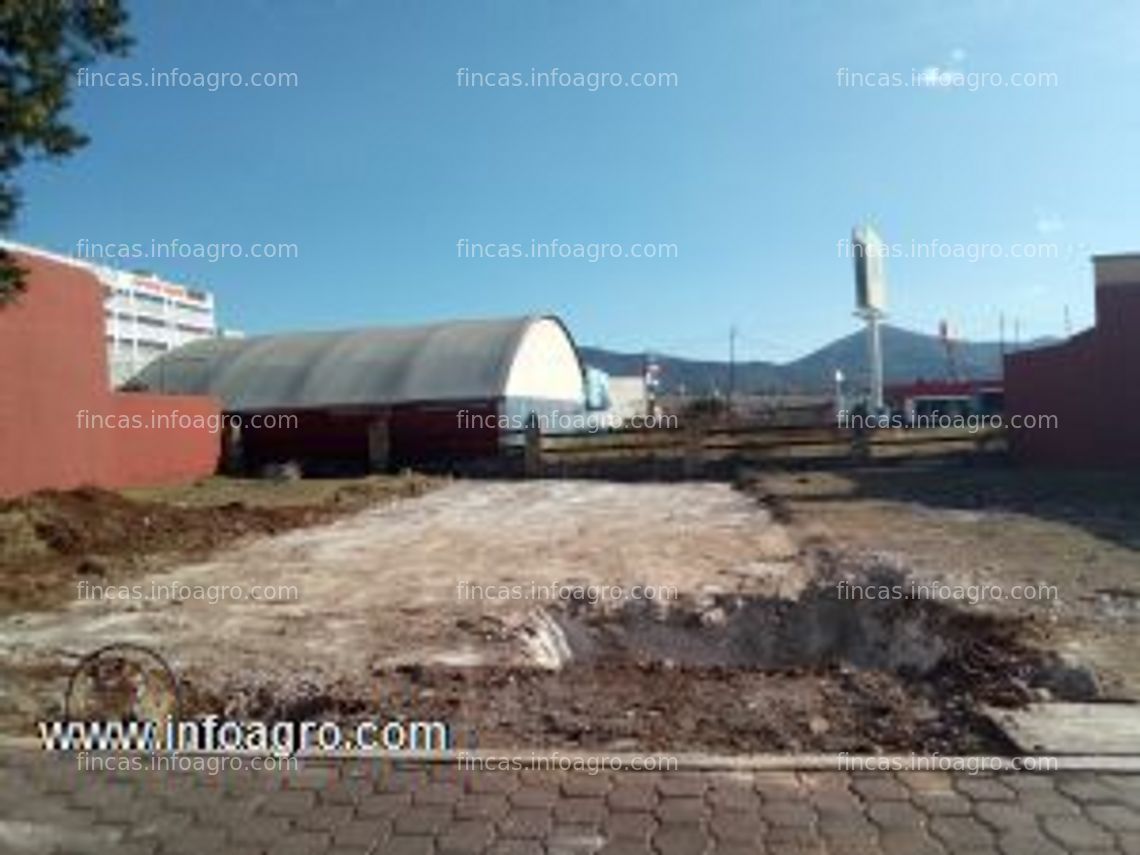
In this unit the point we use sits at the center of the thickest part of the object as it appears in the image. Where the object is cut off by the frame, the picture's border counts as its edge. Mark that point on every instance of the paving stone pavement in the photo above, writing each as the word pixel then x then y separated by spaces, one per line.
pixel 48 805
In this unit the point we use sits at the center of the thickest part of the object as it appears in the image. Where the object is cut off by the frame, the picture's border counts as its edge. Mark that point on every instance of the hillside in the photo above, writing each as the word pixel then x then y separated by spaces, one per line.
pixel 907 356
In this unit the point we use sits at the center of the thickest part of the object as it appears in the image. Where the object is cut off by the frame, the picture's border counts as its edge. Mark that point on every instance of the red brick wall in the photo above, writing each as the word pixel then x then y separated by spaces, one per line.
pixel 1089 383
pixel 53 365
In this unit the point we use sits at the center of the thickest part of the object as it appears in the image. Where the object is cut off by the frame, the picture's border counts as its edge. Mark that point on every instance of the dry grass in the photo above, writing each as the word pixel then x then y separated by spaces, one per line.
pixel 267 493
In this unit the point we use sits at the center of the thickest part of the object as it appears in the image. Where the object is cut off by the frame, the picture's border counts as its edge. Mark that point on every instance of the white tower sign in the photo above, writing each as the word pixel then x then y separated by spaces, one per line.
pixel 870 301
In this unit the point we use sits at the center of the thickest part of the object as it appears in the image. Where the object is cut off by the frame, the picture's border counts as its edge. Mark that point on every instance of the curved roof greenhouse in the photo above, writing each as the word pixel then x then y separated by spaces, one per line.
pixel 453 361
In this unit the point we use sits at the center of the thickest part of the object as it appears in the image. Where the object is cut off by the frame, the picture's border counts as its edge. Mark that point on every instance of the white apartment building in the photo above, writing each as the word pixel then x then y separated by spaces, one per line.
pixel 145 316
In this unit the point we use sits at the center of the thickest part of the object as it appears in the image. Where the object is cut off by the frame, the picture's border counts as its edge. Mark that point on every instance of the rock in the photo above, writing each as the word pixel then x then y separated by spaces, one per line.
pixel 1069 679
pixel 818 725
pixel 92 567
pixel 714 617
pixel 289 471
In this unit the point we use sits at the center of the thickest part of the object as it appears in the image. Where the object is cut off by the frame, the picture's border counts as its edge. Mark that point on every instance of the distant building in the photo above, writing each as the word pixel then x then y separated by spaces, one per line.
pixel 1086 382
pixel 929 398
pixel 628 397
pixel 597 388
pixel 145 316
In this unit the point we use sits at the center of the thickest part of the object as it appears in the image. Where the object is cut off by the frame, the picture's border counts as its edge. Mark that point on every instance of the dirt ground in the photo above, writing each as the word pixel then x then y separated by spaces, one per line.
pixel 52 539
pixel 383 587
pixel 1073 538
pixel 744 645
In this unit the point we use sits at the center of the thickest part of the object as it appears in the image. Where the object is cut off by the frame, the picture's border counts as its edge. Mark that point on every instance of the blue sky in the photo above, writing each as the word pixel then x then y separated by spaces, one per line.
pixel 754 165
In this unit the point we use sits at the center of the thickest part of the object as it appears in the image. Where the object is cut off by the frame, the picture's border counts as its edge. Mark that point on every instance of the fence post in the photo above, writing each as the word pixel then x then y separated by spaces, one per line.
pixel 532 454
pixel 378 444
pixel 861 444
pixel 693 451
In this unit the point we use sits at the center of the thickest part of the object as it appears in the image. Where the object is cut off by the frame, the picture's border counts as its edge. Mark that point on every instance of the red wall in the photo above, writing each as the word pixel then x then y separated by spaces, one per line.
pixel 328 437
pixel 1089 383
pixel 162 455
pixel 53 365
pixel 417 434
pixel 426 434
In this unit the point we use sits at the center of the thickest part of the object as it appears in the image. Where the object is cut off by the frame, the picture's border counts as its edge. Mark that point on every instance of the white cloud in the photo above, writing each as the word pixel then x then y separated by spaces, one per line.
pixel 1048 223
pixel 945 75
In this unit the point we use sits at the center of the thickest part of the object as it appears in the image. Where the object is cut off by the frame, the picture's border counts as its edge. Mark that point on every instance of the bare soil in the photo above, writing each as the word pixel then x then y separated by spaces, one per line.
pixel 1074 535
pixel 734 674
pixel 52 539
pixel 750 648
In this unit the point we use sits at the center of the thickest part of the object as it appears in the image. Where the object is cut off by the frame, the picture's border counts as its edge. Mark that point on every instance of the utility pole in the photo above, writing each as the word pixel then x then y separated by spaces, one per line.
pixel 731 366
pixel 645 381
pixel 650 373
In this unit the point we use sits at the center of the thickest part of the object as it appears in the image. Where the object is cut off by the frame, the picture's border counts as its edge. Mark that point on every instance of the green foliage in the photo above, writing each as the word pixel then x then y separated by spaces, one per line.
pixel 43 43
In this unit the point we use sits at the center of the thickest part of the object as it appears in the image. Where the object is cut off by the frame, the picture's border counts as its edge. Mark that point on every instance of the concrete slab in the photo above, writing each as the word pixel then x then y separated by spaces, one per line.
pixel 1072 728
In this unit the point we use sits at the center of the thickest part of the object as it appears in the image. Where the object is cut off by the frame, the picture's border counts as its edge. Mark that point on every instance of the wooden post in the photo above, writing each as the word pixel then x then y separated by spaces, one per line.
pixel 693 465
pixel 378 444
pixel 532 455
pixel 861 443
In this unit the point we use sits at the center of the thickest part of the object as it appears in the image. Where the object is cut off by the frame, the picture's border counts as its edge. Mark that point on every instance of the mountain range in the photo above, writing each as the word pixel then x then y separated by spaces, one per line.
pixel 907 356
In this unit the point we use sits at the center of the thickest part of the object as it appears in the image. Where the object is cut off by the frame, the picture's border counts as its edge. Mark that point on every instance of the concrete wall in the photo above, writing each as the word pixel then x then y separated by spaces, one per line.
pixel 55 395
pixel 1088 382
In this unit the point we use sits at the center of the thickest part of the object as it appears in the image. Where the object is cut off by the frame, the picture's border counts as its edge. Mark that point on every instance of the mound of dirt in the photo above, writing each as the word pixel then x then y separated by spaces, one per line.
pixel 94 522
pixel 51 539
pixel 740 674
pixel 627 706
